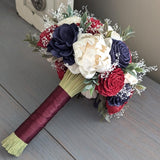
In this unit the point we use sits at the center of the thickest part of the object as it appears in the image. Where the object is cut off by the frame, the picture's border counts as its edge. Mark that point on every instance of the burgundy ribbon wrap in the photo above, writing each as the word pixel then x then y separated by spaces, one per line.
pixel 40 117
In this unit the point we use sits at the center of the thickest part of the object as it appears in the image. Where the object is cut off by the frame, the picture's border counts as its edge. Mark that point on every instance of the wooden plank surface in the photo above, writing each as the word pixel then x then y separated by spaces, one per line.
pixel 43 147
pixel 135 136
pixel 30 79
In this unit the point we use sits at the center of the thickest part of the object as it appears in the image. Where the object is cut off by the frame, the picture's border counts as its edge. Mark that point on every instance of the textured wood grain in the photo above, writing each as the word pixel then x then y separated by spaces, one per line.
pixel 30 79
pixel 135 136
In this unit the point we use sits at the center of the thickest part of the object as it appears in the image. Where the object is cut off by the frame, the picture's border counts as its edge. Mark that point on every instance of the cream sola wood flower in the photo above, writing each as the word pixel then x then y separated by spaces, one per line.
pixel 113 34
pixel 70 20
pixel 91 55
pixel 130 79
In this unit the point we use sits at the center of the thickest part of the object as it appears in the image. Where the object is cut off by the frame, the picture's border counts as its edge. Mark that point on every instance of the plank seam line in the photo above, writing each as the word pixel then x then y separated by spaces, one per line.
pixel 30 114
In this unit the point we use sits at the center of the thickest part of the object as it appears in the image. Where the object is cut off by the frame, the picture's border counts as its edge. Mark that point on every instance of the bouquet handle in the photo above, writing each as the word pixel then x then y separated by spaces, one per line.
pixel 17 141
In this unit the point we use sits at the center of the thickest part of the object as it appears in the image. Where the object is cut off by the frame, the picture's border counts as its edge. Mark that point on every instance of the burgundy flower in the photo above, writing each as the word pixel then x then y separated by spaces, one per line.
pixel 61 69
pixel 111 85
pixel 114 109
pixel 95 25
pixel 46 36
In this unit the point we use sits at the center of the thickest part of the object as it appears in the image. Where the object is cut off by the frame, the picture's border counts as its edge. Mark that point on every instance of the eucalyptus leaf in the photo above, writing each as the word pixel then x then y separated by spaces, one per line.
pixel 65 15
pixel 107 118
pixel 92 90
pixel 139 70
pixel 70 11
pixel 100 106
pixel 105 27
pixel 86 26
pixel 127 33
pixel 88 87
pixel 87 81
pixel 83 20
pixel 46 56
pixel 131 66
pixel 140 87
pixel 108 34
pixel 31 39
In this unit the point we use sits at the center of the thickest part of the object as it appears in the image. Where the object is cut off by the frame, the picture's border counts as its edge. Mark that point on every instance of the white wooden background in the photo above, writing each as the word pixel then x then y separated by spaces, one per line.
pixel 76 132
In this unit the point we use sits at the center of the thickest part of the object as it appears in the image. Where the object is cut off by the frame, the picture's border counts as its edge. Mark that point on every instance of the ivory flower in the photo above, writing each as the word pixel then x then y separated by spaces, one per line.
pixel 130 79
pixel 70 20
pixel 114 34
pixel 91 55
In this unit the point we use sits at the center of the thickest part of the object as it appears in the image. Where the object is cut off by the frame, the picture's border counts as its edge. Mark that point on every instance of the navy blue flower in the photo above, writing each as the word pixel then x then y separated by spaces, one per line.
pixel 61 44
pixel 120 98
pixel 119 47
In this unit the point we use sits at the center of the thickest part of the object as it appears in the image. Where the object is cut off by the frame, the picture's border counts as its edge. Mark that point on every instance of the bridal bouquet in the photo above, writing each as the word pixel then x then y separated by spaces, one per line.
pixel 91 58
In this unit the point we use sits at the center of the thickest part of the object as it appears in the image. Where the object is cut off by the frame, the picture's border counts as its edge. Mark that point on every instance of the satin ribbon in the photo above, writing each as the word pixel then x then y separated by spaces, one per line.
pixel 40 117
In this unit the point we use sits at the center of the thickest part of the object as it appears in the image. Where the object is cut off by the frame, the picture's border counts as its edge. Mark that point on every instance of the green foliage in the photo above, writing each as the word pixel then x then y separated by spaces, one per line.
pixel 91 84
pixel 102 110
pixel 47 56
pixel 69 12
pixel 127 33
pixel 139 88
pixel 105 27
pixel 108 34
pixel 83 23
pixel 133 69
pixel 32 40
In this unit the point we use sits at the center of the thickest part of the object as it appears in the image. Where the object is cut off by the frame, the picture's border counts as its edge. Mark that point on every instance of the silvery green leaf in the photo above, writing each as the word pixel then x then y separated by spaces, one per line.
pixel 95 76
pixel 65 15
pixel 127 33
pixel 92 90
pixel 87 87
pixel 86 26
pixel 139 70
pixel 83 20
pixel 100 106
pixel 87 81
pixel 70 11
pixel 108 34
pixel 105 27
pixel 132 66
pixel 140 87
pixel 47 56
pixel 107 118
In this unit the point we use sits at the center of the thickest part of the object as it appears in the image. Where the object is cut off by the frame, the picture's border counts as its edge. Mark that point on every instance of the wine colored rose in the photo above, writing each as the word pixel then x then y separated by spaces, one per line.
pixel 95 23
pixel 111 85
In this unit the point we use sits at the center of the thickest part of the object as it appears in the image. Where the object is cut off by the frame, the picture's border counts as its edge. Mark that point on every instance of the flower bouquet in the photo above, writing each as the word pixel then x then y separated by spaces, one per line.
pixel 92 59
